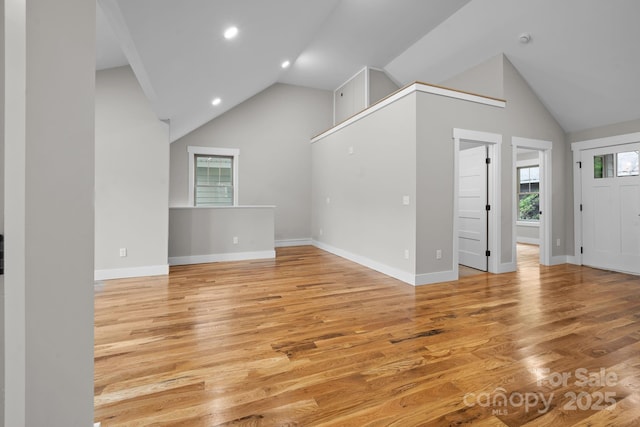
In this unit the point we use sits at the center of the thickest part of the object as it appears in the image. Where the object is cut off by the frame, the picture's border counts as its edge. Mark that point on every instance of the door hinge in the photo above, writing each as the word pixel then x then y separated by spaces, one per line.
pixel 580 165
pixel 580 207
pixel 581 250
pixel 488 207
pixel 487 253
pixel 488 160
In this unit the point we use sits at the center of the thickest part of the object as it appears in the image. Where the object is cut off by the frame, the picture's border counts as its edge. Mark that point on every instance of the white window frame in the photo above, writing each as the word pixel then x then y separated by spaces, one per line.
pixel 212 151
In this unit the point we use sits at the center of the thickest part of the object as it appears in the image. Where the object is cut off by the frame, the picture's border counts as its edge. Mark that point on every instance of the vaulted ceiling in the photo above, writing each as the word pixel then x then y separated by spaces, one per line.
pixel 582 61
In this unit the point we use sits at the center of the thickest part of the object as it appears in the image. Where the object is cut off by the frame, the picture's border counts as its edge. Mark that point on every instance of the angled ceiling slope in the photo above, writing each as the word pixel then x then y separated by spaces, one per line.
pixel 582 60
pixel 182 61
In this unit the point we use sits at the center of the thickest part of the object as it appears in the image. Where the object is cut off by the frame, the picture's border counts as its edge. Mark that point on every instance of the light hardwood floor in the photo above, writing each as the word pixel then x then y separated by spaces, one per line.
pixel 312 339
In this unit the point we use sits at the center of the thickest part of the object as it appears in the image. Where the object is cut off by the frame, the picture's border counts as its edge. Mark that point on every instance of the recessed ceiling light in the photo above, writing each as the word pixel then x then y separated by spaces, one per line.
pixel 216 101
pixel 524 38
pixel 286 64
pixel 230 33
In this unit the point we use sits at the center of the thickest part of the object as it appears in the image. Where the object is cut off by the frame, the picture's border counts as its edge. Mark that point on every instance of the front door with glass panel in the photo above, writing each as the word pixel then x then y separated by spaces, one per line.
pixel 611 208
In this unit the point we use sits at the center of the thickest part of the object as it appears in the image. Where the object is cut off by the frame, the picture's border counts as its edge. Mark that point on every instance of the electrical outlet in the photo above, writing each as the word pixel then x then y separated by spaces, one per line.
pixel 406 254
pixel 235 240
pixel 557 242
pixel 328 200
pixel 123 252
pixel 438 253
pixel 321 232
pixel 406 200
pixel 350 150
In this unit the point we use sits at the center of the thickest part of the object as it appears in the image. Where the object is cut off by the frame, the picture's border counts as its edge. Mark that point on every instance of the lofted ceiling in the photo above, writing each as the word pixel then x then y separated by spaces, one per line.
pixel 582 61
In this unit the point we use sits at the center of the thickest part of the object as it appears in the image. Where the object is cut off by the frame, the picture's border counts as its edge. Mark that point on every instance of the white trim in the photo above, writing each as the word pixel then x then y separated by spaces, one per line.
pixel 528 240
pixel 577 201
pixel 231 256
pixel 545 162
pixel 577 148
pixel 401 93
pixel 559 259
pixel 96 424
pixel 532 224
pixel 367 88
pixel 123 273
pixel 573 260
pixel 437 277
pixel 213 151
pixel 494 142
pixel 369 263
pixel 284 243
pixel 507 267
pixel 225 207
pixel 527 163
pixel 366 92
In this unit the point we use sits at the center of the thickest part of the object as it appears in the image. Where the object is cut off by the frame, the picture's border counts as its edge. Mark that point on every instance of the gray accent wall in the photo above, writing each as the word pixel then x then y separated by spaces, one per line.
pixel 49 212
pixel 360 176
pixel 437 117
pixel 272 131
pixel 380 86
pixel 486 78
pixel 132 175
pixel 526 117
pixel 622 128
pixel 208 233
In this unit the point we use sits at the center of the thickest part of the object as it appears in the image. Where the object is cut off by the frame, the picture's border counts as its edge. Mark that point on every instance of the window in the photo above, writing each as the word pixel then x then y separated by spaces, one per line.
pixel 213 176
pixel 628 163
pixel 529 193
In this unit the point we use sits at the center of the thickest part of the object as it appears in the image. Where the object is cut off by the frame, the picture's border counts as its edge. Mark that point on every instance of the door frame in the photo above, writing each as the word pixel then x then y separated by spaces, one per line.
pixel 494 142
pixel 577 148
pixel 544 149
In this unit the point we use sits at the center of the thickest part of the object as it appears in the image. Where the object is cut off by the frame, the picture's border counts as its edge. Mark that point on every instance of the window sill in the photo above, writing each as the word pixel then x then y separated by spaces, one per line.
pixel 528 223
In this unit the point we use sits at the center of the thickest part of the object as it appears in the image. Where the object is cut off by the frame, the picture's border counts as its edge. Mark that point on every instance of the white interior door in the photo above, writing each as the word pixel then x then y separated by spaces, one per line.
pixel 611 208
pixel 472 202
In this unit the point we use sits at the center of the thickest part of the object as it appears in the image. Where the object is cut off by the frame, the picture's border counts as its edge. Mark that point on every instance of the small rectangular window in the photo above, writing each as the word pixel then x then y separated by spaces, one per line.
pixel 213 180
pixel 213 176
pixel 603 166
pixel 627 163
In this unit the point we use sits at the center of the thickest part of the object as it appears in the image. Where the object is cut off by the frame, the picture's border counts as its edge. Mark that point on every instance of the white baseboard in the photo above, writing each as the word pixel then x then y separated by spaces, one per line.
pixel 528 240
pixel 574 260
pixel 369 263
pixel 438 277
pixel 96 424
pixel 559 259
pixel 231 256
pixel 507 267
pixel 123 273
pixel 284 243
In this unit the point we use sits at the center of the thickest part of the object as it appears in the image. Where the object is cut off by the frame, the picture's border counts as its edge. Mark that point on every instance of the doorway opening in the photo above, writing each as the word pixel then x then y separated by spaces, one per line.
pixel 476 230
pixel 532 198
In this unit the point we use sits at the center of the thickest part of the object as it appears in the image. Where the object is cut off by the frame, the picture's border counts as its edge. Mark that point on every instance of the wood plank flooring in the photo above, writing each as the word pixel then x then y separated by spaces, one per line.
pixel 310 339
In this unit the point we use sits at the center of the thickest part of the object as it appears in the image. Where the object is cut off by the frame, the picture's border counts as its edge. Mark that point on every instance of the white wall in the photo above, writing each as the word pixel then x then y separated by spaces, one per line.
pixel 272 131
pixel 49 218
pixel 132 179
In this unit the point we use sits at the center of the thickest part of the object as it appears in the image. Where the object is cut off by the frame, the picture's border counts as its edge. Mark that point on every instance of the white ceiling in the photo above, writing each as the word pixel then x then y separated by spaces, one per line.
pixel 582 61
